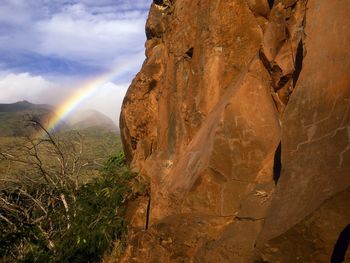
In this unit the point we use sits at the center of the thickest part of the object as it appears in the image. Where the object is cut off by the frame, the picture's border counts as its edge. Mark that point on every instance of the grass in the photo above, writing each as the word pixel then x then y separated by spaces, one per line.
pixel 98 144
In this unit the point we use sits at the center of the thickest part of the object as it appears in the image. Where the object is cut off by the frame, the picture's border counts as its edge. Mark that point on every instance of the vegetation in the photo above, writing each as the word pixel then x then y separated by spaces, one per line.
pixel 12 116
pixel 96 143
pixel 48 213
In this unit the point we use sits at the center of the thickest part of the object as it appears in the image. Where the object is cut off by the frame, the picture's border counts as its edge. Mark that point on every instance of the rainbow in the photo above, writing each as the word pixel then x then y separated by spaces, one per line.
pixel 82 93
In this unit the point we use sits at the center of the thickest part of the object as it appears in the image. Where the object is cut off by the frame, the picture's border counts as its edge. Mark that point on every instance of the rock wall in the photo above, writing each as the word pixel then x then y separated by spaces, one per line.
pixel 240 120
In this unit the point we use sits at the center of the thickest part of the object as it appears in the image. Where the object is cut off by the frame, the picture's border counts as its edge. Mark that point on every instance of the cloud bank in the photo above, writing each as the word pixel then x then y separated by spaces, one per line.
pixel 23 86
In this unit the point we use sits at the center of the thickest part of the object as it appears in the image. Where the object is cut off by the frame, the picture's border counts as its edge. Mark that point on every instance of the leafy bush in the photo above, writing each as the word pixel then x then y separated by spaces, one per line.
pixel 99 218
pixel 66 224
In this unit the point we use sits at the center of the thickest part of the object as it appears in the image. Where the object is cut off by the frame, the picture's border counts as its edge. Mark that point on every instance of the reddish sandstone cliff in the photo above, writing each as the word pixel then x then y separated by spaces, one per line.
pixel 240 120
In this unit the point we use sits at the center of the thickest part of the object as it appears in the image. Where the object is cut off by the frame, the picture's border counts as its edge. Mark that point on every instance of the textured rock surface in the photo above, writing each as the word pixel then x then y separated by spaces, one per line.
pixel 240 119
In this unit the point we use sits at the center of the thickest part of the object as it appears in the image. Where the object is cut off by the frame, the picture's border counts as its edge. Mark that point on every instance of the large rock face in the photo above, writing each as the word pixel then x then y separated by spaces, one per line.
pixel 240 120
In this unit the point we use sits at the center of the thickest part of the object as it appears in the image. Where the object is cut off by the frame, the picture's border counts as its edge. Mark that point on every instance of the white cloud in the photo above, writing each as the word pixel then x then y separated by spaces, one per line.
pixel 78 35
pixel 23 86
pixel 15 12
pixel 91 32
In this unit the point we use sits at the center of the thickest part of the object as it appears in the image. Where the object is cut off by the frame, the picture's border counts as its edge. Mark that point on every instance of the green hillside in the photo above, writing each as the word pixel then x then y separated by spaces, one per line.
pixel 97 134
pixel 14 116
pixel 24 106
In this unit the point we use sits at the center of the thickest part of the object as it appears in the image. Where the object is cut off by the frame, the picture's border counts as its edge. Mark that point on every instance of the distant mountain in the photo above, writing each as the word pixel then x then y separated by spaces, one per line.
pixel 13 118
pixel 90 118
pixel 24 106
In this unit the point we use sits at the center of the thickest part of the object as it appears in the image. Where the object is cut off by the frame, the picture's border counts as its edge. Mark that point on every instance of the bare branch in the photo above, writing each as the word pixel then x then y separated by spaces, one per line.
pixel 36 201
pixel 6 220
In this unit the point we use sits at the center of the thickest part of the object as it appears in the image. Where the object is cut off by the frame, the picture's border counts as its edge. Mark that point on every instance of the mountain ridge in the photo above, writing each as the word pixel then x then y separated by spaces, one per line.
pixel 14 115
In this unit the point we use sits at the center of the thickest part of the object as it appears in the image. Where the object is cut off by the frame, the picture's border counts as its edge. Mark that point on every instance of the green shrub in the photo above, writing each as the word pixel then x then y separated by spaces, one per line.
pixel 99 218
pixel 83 234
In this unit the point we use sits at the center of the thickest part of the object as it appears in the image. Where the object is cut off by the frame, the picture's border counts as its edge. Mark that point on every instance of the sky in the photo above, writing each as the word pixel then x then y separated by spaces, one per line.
pixel 51 48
